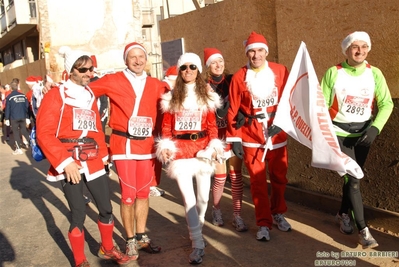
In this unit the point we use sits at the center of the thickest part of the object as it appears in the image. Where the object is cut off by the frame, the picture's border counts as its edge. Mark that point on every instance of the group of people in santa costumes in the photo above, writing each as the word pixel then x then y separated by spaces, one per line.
pixel 200 123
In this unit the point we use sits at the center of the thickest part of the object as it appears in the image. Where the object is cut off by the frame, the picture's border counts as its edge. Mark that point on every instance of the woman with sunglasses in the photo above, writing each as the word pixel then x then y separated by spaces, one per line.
pixel 190 144
pixel 219 79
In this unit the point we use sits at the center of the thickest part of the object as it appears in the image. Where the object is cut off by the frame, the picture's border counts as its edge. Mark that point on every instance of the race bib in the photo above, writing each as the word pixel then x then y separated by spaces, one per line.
pixel 221 123
pixel 356 105
pixel 140 126
pixel 188 120
pixel 271 100
pixel 84 120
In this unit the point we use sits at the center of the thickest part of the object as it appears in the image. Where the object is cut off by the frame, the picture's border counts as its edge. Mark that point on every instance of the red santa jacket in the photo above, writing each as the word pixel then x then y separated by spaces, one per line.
pixel 241 97
pixel 55 122
pixel 123 100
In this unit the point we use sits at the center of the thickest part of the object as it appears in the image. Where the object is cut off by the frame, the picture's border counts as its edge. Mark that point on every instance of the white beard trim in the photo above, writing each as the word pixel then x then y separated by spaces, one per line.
pixel 191 102
pixel 261 83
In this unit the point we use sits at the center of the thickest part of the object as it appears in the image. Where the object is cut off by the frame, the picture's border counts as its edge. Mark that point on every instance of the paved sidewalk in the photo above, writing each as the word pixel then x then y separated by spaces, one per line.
pixel 34 224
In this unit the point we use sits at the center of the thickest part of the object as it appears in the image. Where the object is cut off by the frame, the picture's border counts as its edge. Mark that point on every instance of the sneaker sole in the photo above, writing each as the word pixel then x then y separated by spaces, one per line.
pixel 345 233
pixel 370 246
pixel 263 239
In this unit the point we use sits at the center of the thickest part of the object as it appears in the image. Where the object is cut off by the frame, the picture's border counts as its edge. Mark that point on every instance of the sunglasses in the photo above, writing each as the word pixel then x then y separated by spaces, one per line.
pixel 84 70
pixel 191 66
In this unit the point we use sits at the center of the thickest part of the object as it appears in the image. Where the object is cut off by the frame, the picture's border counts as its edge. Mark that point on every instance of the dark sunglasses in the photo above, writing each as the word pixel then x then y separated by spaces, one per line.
pixel 84 70
pixel 191 66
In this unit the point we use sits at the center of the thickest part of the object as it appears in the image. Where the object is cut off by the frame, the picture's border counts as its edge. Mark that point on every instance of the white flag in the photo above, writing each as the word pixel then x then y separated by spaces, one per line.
pixel 302 113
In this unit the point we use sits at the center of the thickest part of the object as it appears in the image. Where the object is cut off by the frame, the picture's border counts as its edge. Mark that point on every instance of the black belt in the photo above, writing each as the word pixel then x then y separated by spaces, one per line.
pixel 83 140
pixel 353 127
pixel 127 135
pixel 191 136
pixel 257 116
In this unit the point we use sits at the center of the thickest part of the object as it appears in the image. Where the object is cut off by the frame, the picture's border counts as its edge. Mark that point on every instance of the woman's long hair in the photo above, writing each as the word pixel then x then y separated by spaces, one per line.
pixel 180 92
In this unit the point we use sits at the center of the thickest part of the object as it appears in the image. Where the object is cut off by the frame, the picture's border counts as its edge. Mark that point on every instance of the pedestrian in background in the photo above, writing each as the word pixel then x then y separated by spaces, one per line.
pixel 350 89
pixel 188 128
pixel 255 91
pixel 69 133
pixel 16 116
pixel 219 80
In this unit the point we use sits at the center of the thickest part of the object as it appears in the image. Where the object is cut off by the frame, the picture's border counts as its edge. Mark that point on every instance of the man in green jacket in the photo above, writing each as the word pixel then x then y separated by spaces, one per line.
pixel 350 89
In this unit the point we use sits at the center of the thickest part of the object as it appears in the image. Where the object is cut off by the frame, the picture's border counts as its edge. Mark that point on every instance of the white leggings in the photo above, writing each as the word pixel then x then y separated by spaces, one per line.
pixel 195 206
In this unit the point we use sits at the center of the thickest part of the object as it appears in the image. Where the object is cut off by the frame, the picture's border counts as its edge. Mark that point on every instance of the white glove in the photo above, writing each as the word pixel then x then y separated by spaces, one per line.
pixel 27 121
pixel 7 122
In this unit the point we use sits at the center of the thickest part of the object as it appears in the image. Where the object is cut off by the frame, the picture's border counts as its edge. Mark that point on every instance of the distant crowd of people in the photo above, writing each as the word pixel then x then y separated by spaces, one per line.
pixel 200 122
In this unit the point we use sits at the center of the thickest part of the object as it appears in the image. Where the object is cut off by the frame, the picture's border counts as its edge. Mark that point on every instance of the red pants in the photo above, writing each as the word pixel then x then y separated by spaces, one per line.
pixel 277 163
pixel 135 177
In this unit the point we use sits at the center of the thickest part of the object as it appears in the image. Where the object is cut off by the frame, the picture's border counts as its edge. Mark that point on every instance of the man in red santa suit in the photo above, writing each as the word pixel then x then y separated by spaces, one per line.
pixel 134 98
pixel 255 91
pixel 69 133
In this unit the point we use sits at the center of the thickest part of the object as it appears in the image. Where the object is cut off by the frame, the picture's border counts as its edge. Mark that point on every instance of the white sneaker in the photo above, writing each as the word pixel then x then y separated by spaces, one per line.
pixel 17 151
pixel 263 234
pixel 366 239
pixel 196 256
pixel 344 223
pixel 281 222
pixel 217 217
pixel 239 224
pixel 156 192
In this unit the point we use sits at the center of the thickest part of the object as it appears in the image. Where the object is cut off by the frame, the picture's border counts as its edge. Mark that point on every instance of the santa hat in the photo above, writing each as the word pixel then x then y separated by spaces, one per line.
pixel 355 36
pixel 94 60
pixel 210 54
pixel 256 40
pixel 190 58
pixel 171 72
pixel 31 80
pixel 130 46
pixel 71 56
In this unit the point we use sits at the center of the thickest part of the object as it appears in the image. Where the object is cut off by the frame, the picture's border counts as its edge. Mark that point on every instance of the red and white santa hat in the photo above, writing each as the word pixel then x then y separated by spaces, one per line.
pixel 94 60
pixel 171 72
pixel 31 80
pixel 190 58
pixel 256 40
pixel 210 54
pixel 130 46
pixel 355 36
pixel 71 56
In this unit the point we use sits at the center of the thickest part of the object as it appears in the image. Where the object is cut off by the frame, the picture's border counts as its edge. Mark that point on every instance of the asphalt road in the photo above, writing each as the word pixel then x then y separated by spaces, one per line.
pixel 35 219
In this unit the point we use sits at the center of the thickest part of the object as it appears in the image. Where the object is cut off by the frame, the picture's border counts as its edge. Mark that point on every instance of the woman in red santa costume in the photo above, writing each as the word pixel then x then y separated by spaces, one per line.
pixel 190 143
pixel 219 79
pixel 69 133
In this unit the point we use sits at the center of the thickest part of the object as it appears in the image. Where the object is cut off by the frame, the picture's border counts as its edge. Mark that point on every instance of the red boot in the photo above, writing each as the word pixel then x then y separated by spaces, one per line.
pixel 107 249
pixel 77 240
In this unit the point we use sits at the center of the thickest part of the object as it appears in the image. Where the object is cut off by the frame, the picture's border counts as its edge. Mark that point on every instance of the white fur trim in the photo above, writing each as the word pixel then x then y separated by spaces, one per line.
pixel 191 102
pixel 212 58
pixel 256 45
pixel 355 36
pixel 218 145
pixel 162 144
pixel 190 58
pixel 188 168
pixel 260 84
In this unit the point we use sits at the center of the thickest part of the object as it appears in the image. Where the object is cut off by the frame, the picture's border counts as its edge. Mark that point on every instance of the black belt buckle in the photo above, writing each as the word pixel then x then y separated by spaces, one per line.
pixel 194 137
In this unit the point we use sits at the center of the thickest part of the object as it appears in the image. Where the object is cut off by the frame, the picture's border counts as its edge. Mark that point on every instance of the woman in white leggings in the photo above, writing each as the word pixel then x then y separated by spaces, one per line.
pixel 190 144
